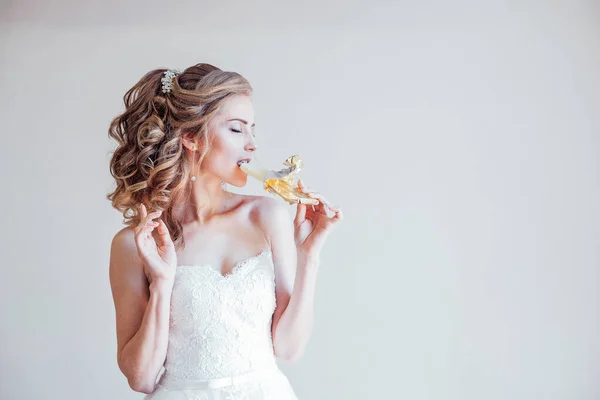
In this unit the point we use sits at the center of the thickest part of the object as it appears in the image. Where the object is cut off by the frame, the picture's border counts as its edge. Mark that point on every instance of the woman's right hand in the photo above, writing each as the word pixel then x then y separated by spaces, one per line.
pixel 159 258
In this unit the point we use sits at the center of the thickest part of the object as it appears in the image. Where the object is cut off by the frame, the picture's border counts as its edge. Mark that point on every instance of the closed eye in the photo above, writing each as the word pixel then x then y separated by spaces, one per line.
pixel 253 133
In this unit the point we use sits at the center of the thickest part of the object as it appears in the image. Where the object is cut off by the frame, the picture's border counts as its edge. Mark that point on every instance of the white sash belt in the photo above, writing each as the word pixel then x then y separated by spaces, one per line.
pixel 217 382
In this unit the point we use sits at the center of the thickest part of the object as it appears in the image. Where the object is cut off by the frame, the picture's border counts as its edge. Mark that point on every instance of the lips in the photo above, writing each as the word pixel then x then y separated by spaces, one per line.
pixel 243 160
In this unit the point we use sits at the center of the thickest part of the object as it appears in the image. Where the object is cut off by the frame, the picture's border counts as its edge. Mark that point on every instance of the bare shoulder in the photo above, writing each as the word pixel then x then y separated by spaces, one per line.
pixel 123 241
pixel 123 254
pixel 124 236
pixel 270 212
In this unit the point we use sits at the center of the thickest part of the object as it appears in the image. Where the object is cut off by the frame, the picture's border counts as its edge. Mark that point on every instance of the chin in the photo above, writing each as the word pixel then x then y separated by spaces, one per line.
pixel 238 182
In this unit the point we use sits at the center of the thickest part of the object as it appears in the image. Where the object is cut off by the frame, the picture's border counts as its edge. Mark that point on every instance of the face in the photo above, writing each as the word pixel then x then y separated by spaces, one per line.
pixel 232 130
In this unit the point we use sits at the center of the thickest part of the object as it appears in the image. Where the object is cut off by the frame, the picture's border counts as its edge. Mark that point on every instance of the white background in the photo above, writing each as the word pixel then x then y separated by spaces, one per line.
pixel 460 138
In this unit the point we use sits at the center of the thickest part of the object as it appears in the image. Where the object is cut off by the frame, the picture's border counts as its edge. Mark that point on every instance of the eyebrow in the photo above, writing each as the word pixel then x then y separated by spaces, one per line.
pixel 241 120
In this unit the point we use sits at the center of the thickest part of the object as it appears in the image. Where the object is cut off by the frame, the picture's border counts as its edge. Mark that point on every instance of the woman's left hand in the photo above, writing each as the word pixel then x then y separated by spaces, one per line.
pixel 314 223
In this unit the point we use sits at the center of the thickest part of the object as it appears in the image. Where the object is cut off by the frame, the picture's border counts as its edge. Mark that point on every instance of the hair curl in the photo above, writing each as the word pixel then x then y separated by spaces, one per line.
pixel 149 163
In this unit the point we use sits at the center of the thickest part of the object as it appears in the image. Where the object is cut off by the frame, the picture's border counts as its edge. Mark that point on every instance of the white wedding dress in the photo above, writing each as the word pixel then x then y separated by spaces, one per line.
pixel 220 344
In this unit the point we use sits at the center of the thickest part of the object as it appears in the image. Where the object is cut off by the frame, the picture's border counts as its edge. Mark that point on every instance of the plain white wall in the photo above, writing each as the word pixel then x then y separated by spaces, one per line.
pixel 460 138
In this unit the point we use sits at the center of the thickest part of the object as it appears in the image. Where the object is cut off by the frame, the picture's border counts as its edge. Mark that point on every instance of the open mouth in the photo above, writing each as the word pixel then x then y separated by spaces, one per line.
pixel 244 161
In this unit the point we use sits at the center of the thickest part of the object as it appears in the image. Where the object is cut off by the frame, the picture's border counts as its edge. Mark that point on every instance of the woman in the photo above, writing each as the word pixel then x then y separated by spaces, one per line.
pixel 210 284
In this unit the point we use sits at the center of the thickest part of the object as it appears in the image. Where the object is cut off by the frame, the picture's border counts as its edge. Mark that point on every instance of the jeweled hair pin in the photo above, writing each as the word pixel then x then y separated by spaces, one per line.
pixel 167 80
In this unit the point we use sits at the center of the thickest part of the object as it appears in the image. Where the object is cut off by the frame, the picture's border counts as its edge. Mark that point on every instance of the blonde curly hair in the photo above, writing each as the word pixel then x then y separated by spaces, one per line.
pixel 149 163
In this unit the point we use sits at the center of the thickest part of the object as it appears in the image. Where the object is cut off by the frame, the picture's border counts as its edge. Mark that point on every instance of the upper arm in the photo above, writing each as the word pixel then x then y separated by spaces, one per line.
pixel 129 287
pixel 279 228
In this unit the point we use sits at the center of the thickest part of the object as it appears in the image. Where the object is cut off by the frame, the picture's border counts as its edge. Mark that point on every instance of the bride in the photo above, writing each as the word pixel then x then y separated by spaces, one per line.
pixel 209 284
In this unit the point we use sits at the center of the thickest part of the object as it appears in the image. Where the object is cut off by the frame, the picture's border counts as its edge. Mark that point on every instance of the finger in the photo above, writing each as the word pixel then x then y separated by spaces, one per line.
pixel 149 218
pixel 300 214
pixel 308 190
pixel 142 211
pixel 145 232
pixel 150 225
pixel 334 210
pixel 301 184
pixel 157 212
pixel 303 187
pixel 144 216
pixel 338 215
pixel 163 233
pixel 308 200
pixel 154 214
pixel 319 196
pixel 323 203
pixel 142 222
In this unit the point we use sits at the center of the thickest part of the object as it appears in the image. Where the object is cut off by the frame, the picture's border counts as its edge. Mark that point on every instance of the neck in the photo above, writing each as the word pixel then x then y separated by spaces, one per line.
pixel 207 199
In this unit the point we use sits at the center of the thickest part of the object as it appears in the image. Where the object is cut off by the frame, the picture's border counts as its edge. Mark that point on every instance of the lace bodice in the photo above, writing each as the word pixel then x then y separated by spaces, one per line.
pixel 220 325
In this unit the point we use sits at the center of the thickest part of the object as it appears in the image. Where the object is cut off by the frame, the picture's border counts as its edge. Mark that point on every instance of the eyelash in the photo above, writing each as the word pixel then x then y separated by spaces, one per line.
pixel 235 130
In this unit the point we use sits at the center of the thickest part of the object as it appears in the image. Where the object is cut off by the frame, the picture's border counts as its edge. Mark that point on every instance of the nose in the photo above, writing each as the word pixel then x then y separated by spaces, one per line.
pixel 251 144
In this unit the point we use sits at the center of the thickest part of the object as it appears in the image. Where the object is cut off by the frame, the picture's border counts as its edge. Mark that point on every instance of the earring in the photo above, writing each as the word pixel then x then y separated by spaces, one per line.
pixel 193 156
